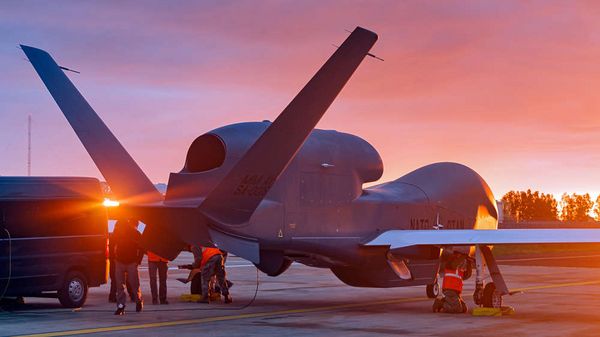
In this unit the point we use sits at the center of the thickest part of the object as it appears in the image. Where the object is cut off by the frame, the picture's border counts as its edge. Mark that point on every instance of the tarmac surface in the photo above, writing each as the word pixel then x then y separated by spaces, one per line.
pixel 556 301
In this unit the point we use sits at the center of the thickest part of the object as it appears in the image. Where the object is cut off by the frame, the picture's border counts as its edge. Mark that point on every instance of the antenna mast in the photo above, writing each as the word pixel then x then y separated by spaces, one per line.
pixel 29 145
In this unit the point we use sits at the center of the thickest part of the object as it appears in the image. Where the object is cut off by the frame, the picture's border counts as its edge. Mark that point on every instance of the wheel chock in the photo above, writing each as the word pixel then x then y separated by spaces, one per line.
pixel 502 311
pixel 189 297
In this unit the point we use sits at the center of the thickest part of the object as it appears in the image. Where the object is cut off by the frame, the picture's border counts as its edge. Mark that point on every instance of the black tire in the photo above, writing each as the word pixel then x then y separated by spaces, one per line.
pixel 478 296
pixel 73 291
pixel 468 270
pixel 491 298
pixel 433 290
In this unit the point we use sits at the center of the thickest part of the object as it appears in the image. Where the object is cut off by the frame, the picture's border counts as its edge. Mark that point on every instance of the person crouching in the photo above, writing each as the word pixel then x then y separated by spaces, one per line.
pixel 455 271
pixel 213 263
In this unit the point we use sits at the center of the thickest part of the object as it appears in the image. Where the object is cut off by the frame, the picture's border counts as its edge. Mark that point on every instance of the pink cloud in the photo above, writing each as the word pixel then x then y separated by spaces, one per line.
pixel 508 88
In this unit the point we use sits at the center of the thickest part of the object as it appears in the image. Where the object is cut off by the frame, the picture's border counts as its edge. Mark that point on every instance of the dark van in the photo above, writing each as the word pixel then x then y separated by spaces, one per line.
pixel 53 238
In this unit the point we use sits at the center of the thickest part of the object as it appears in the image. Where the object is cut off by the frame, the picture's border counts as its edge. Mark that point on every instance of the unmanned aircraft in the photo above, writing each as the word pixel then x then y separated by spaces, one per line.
pixel 275 193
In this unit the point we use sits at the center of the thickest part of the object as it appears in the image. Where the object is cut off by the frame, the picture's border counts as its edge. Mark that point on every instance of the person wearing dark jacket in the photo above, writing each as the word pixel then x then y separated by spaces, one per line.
pixel 112 295
pixel 128 256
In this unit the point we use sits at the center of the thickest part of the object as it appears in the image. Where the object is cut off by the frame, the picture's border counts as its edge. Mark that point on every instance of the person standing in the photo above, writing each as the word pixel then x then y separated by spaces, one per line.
pixel 157 264
pixel 112 295
pixel 128 256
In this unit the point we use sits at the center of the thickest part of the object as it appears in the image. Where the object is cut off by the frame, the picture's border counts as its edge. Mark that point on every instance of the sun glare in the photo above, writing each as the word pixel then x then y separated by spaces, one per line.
pixel 110 203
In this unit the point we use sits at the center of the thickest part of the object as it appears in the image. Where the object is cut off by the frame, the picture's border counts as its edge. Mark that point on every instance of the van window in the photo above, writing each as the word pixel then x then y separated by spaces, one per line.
pixel 62 217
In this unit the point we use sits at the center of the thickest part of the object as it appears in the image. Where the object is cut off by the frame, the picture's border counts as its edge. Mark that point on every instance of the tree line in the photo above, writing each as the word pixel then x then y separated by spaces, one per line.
pixel 536 206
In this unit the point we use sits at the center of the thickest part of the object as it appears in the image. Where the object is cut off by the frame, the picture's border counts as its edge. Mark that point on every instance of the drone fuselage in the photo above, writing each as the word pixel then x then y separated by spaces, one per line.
pixel 319 214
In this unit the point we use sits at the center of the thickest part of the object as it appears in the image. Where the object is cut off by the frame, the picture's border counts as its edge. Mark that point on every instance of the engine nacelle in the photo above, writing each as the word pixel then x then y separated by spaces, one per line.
pixel 326 153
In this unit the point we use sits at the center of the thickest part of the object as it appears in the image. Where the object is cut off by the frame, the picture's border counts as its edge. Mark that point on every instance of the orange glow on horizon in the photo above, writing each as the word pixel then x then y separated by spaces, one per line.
pixel 506 88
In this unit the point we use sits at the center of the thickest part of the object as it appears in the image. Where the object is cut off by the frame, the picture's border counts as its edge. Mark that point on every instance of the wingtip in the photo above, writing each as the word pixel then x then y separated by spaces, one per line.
pixel 366 31
pixel 28 49
pixel 25 47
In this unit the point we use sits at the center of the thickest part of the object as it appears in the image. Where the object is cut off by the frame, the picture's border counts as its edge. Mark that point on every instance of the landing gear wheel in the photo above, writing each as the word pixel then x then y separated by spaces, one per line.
pixel 73 292
pixel 491 298
pixel 478 294
pixel 433 290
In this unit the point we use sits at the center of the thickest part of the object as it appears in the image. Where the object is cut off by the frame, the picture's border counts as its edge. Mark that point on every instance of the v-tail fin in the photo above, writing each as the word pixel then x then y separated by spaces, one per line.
pixel 237 196
pixel 126 179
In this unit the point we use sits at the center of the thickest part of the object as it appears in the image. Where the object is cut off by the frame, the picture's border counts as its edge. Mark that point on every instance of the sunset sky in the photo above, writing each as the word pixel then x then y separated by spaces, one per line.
pixel 510 89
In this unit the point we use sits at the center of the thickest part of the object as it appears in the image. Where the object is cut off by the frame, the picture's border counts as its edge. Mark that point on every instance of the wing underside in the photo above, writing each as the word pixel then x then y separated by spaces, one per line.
pixel 470 237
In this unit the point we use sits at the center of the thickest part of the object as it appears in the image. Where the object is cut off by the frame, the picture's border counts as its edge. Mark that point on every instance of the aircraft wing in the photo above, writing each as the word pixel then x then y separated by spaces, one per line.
pixel 470 237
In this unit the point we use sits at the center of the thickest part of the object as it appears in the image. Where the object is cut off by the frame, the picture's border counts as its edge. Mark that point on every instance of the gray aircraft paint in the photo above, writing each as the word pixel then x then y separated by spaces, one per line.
pixel 279 192
pixel 320 215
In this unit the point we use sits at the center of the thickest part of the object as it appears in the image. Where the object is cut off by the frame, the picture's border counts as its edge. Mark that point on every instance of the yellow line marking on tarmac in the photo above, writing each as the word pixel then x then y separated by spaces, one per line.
pixel 561 285
pixel 547 258
pixel 222 318
pixel 273 313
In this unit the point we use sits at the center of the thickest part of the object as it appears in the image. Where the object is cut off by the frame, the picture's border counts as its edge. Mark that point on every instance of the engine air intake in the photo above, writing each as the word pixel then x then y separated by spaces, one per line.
pixel 207 152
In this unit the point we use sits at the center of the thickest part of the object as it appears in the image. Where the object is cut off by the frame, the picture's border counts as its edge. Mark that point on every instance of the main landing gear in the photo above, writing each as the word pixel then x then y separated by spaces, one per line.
pixel 485 295
pixel 434 289
pixel 488 295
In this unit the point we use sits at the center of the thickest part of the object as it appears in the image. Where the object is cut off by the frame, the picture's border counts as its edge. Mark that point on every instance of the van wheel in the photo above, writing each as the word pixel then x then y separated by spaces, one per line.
pixel 73 292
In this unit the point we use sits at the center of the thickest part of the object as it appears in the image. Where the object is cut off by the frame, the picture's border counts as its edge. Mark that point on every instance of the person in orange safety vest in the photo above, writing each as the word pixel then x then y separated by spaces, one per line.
pixel 157 264
pixel 455 267
pixel 213 264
